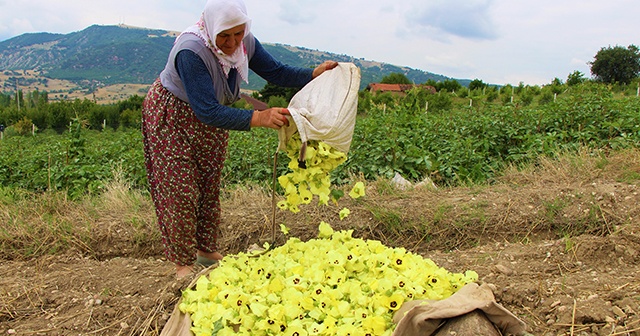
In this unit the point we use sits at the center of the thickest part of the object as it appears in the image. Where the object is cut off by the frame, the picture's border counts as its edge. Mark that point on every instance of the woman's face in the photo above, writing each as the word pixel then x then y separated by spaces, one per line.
pixel 229 40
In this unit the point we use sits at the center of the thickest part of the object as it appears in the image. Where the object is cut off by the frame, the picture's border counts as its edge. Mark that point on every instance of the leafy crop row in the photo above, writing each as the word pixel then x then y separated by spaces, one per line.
pixel 450 146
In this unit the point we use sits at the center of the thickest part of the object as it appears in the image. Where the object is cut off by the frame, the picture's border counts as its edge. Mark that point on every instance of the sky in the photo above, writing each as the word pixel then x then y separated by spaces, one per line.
pixel 496 41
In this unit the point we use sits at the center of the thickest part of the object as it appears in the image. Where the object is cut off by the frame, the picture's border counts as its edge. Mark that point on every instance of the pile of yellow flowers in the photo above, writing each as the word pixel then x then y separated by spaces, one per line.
pixel 301 184
pixel 333 285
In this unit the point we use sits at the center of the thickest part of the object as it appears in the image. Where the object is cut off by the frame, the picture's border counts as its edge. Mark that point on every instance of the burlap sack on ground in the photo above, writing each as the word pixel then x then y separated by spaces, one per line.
pixel 325 109
pixel 179 323
pixel 423 317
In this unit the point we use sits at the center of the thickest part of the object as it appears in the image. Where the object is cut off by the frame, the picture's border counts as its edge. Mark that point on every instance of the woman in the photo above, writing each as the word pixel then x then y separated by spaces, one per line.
pixel 185 122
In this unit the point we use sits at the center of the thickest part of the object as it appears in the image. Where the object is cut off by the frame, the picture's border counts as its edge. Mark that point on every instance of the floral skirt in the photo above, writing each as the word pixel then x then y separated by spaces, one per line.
pixel 184 159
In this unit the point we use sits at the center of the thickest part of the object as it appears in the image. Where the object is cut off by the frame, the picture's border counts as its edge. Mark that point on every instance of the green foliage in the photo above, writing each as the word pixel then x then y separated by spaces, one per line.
pixel 616 64
pixel 272 90
pixel 449 85
pixel 24 126
pixel 395 78
pixel 477 84
pixel 364 101
pixel 277 101
pixel 385 98
pixel 451 144
pixel 575 78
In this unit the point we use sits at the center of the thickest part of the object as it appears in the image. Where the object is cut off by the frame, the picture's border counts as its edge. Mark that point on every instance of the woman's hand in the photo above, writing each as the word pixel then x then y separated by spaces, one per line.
pixel 326 65
pixel 274 117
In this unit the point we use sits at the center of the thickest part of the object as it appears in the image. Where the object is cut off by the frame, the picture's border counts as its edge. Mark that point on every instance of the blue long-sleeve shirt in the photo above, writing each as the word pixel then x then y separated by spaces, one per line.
pixel 199 86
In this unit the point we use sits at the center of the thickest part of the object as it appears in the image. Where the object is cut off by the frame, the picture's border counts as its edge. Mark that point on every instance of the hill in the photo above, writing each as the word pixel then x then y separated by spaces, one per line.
pixel 100 56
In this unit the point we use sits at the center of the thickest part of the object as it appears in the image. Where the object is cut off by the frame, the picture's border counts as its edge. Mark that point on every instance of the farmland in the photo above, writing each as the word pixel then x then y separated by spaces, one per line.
pixel 532 197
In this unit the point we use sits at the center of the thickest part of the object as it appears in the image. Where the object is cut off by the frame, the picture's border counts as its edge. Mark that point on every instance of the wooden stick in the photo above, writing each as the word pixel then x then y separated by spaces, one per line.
pixel 573 317
pixel 273 199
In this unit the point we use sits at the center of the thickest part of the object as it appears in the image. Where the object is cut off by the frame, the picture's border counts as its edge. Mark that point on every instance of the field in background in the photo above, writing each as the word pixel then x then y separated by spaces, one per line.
pixel 30 80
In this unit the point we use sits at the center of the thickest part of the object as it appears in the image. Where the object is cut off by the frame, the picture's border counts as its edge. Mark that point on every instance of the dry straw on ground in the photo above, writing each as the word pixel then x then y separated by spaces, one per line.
pixel 558 241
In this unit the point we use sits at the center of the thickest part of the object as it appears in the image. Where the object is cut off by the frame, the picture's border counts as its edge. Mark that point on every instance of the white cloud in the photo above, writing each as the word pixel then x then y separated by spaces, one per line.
pixel 462 18
pixel 297 12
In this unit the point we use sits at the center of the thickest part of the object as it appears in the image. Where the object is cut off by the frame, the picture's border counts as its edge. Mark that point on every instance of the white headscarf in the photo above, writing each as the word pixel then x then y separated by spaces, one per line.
pixel 218 16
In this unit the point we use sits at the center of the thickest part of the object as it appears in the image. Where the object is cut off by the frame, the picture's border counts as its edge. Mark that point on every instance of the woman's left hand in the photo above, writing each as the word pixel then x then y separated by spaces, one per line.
pixel 326 65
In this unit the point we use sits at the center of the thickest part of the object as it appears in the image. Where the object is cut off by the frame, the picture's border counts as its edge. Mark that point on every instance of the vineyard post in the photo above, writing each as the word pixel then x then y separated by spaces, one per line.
pixel 104 124
pixel 426 106
pixel 49 172
pixel 1 131
pixel 471 102
pixel 638 92
pixel 33 129
pixel 17 95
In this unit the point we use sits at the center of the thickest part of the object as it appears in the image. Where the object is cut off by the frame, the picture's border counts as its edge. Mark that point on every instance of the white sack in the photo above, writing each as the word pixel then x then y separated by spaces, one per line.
pixel 325 109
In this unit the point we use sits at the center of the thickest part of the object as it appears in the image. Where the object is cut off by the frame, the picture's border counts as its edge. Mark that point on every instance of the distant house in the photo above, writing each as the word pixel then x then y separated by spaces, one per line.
pixel 257 104
pixel 399 89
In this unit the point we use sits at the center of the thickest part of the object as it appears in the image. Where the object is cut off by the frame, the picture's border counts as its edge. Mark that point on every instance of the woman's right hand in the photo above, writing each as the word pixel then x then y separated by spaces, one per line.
pixel 274 117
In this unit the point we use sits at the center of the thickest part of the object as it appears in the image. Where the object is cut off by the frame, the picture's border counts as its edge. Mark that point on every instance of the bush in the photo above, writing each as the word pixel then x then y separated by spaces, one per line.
pixel 24 126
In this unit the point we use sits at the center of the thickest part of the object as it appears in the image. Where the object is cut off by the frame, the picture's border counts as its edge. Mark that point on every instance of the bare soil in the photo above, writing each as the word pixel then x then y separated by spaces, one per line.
pixel 559 244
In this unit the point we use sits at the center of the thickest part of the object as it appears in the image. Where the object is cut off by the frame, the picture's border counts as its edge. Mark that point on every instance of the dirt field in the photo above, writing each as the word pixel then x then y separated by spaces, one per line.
pixel 516 234
pixel 65 90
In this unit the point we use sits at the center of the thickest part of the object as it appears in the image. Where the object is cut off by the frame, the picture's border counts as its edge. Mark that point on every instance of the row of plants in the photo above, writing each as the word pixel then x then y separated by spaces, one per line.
pixel 34 111
pixel 470 144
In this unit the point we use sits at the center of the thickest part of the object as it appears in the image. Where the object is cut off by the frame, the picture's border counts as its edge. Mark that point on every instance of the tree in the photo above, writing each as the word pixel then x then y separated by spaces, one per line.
pixel 272 90
pixel 396 78
pixel 575 78
pixel 616 64
pixel 477 84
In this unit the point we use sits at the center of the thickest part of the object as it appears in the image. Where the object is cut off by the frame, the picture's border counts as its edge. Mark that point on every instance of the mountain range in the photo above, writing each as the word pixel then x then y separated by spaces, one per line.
pixel 115 54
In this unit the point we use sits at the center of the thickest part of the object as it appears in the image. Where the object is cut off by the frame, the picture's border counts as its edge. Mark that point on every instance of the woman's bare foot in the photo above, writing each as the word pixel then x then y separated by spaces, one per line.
pixel 210 255
pixel 183 270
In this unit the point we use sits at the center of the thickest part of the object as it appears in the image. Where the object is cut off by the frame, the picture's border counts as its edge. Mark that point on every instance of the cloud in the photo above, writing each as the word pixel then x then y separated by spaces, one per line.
pixel 461 18
pixel 297 12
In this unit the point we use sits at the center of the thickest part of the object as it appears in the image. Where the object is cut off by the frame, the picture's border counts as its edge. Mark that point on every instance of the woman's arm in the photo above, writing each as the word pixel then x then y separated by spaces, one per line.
pixel 276 72
pixel 199 87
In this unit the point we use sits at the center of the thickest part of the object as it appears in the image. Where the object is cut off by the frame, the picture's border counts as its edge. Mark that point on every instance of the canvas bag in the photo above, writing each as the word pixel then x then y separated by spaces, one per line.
pixel 424 317
pixel 325 109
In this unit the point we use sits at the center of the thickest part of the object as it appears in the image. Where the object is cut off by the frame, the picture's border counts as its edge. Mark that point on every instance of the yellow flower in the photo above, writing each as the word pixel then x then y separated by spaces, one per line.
pixel 392 302
pixel 374 324
pixel 317 328
pixel 305 194
pixel 357 191
pixel 258 309
pixel 325 230
pixel 344 213
pixel 284 229
pixel 283 205
pixel 333 285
